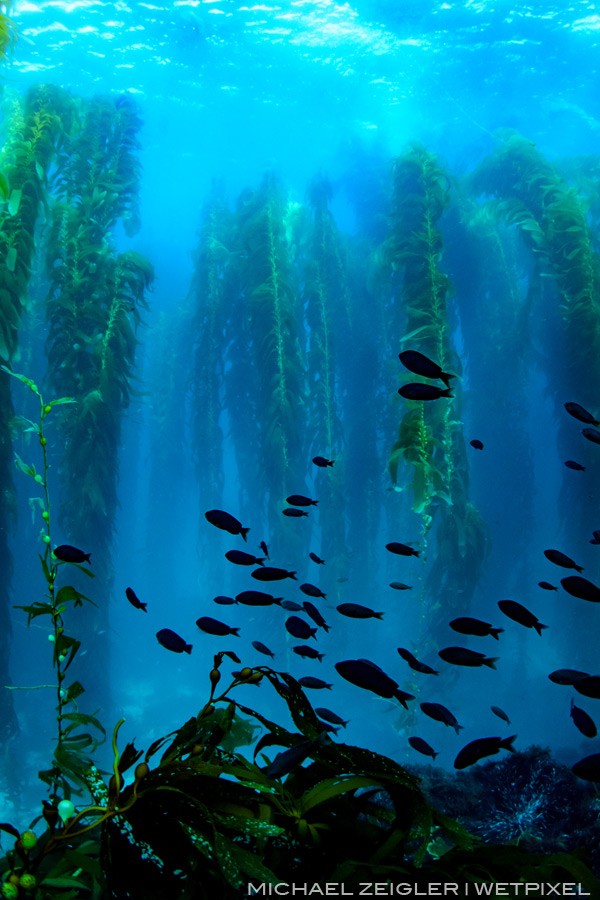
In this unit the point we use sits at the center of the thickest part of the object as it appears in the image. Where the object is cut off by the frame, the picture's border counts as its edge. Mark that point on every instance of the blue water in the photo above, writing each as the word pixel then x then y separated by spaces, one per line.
pixel 227 91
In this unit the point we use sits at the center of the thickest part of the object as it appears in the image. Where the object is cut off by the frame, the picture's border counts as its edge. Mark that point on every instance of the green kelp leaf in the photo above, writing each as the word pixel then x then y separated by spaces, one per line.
pixel 74 691
pixel 24 467
pixel 36 609
pixel 64 881
pixel 184 736
pixel 225 853
pixel 63 645
pixel 577 869
pixel 456 832
pixel 69 594
pixel 14 201
pixel 331 788
pixel 62 400
pixel 248 825
pixel 4 187
pixel 252 866
pixel 304 717
pixel 82 719
pixel 80 860
pixel 11 259
pixel 10 829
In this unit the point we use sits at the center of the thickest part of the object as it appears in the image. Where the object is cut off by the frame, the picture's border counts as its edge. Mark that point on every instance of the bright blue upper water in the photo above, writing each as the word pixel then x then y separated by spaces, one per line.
pixel 227 90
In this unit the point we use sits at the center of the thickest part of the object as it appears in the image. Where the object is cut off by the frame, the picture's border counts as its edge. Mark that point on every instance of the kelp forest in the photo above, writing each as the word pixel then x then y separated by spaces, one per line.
pixel 277 373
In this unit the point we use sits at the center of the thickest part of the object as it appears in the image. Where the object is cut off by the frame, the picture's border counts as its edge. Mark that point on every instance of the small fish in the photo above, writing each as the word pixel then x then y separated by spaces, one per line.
pixel 482 747
pixel 213 626
pixel 519 613
pixel 300 500
pixel 415 664
pixel 416 390
pixel 589 686
pixel 580 587
pixel 572 464
pixel 401 549
pixel 567 676
pixel 343 579
pixel 262 546
pixel 476 443
pixel 441 714
pixel 69 554
pixel 461 656
pixel 240 558
pixel 322 462
pixel 222 600
pixel 317 684
pixel 312 590
pixel 272 573
pixel 291 606
pixel 547 586
pixel 366 674
pixel 294 513
pixel 421 365
pixel 316 559
pixel 324 713
pixel 134 599
pixel 262 648
pixel 588 768
pixel 583 721
pixel 290 759
pixel 315 615
pixel 500 713
pixel 468 625
pixel 308 652
pixel 591 434
pixel 422 746
pixel 581 414
pixel 356 611
pixel 561 559
pixel 298 628
pixel 172 641
pixel 399 586
pixel 596 537
pixel 225 522
pixel 257 598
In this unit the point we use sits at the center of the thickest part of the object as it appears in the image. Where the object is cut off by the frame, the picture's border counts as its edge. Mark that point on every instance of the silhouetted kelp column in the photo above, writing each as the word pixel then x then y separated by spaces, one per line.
pixel 430 438
pixel 93 310
pixel 35 129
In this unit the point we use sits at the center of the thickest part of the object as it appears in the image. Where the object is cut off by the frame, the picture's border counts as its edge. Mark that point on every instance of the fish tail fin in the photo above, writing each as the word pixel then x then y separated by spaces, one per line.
pixel 144 606
pixel 293 575
pixel 495 632
pixel 320 656
pixel 313 633
pixel 447 393
pixel 458 728
pixel 235 631
pixel 244 532
pixel 331 462
pixel 507 743
pixel 378 615
pixel 261 560
pixel 435 753
pixel 325 627
pixel 86 558
pixel 345 723
pixel 539 627
pixel 188 648
pixel 277 600
pixel 579 568
pixel 445 377
pixel 491 662
pixel 314 503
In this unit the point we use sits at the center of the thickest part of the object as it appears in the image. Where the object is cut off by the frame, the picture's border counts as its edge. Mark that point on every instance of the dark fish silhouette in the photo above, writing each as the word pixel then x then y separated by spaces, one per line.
pixel 589 686
pixel 421 365
pixel 356 611
pixel 315 615
pixel 307 652
pixel 366 674
pixel 134 599
pixel 172 641
pixel 264 549
pixel 316 559
pixel 581 588
pixel 567 676
pixel 591 434
pixel 290 759
pixel 222 600
pixel 401 549
pixel 329 716
pixel 240 558
pixel 322 462
pixel 312 590
pixel 272 573
pixel 213 626
pixel 441 714
pixel 461 656
pixel 300 500
pixel 422 746
pixel 298 628
pixel 399 586
pixel 561 559
pixel 468 625
pixel 583 722
pixel 482 747
pixel 581 414
pixel 572 464
pixel 416 390
pixel 519 613
pixel 476 443
pixel 293 513
pixel 257 598
pixel 415 664
pixel 262 648
pixel 547 586
pixel 291 606
pixel 69 554
pixel 225 522
pixel 500 713
pixel 588 768
pixel 317 684
pixel 596 537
